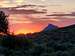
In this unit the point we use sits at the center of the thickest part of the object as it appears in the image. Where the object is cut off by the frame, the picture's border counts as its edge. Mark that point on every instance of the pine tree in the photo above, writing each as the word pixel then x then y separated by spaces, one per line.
pixel 3 23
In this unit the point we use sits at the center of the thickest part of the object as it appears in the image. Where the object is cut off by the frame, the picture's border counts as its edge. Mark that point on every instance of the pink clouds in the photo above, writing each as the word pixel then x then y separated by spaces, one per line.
pixel 33 18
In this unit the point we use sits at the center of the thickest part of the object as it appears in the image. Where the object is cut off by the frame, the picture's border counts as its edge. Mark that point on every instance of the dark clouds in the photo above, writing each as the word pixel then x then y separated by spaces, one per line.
pixel 26 12
pixel 30 6
pixel 21 9
pixel 70 14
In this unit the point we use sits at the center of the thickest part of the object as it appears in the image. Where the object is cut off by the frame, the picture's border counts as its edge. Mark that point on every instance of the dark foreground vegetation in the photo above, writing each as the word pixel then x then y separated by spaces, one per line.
pixel 56 42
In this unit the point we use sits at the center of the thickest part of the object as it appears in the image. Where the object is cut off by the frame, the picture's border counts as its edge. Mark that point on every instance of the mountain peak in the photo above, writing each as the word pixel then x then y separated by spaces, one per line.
pixel 50 27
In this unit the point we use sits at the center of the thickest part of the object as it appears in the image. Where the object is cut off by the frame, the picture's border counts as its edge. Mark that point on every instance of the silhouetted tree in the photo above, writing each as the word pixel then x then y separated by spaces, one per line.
pixel 3 22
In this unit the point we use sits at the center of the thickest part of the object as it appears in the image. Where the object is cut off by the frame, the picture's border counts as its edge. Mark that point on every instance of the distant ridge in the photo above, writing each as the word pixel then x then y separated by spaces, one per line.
pixel 69 27
pixel 50 27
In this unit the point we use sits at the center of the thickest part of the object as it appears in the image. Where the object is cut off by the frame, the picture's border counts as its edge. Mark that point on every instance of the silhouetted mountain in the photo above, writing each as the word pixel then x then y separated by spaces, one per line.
pixel 58 42
pixel 50 27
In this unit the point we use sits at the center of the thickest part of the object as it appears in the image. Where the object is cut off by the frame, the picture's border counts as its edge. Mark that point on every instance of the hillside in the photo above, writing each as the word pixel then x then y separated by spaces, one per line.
pixel 56 42
pixel 59 42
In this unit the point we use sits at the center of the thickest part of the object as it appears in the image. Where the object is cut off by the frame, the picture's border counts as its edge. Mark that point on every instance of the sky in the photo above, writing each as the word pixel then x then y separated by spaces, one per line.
pixel 27 16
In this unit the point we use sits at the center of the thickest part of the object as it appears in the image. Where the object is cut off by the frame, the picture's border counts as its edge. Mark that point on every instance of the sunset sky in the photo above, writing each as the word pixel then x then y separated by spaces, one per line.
pixel 34 15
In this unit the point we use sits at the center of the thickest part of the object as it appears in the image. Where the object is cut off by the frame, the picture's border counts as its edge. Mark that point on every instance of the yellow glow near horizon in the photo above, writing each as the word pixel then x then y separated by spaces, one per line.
pixel 22 32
